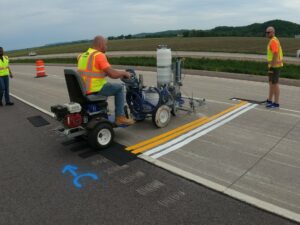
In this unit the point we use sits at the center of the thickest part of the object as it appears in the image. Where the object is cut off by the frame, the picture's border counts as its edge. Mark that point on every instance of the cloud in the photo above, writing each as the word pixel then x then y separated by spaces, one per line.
pixel 35 22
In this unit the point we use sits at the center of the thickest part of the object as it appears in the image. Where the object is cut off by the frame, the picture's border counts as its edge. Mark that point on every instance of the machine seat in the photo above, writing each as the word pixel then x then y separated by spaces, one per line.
pixel 76 90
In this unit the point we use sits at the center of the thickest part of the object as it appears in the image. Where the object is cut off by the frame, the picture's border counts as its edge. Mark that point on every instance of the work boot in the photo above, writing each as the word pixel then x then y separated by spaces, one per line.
pixel 273 106
pixel 123 120
pixel 9 103
pixel 268 102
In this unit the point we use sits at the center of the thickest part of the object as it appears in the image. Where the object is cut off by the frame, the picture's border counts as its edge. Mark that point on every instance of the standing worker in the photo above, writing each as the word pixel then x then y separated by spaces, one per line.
pixel 275 63
pixel 93 67
pixel 4 80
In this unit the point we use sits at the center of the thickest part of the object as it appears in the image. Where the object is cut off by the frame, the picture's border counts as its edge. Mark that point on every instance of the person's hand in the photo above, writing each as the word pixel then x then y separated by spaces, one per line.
pixel 127 75
pixel 271 71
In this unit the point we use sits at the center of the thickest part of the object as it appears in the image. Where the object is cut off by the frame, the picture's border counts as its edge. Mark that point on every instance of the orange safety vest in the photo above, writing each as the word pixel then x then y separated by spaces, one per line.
pixel 270 54
pixel 93 78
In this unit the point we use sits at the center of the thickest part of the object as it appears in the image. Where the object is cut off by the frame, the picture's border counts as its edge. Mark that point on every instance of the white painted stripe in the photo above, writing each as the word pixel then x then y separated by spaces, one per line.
pixel 197 135
pixel 186 135
pixel 290 110
pixel 263 205
pixel 223 189
pixel 32 105
pixel 277 111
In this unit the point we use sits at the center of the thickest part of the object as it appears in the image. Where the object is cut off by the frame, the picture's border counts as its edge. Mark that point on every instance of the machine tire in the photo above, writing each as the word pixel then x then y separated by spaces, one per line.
pixel 162 116
pixel 101 136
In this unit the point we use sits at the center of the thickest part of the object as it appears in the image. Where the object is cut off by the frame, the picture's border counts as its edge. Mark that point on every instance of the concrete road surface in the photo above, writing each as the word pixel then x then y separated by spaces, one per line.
pixel 240 148
pixel 48 180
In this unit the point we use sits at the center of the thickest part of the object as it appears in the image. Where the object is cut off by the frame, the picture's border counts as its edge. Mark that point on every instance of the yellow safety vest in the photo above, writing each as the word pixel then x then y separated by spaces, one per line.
pixel 270 54
pixel 93 78
pixel 4 71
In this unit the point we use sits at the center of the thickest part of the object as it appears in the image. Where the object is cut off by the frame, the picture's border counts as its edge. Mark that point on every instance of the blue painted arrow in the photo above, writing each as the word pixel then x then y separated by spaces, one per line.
pixel 71 169
pixel 76 179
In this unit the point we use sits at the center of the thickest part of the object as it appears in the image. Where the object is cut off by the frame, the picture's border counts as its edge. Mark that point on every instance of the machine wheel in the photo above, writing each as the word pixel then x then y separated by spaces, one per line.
pixel 101 136
pixel 161 117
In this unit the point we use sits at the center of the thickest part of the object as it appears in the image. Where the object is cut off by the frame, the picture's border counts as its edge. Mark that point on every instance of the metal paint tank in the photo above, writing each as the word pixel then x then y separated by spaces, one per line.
pixel 164 65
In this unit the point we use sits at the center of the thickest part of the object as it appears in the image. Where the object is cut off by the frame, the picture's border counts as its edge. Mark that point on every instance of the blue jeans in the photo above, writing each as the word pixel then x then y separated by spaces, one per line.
pixel 117 90
pixel 4 88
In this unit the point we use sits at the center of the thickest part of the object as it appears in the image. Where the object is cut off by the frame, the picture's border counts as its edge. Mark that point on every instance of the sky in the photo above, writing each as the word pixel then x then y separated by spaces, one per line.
pixel 34 23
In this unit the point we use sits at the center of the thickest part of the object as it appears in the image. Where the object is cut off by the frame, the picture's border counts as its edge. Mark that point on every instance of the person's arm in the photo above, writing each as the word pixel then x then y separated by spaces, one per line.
pixel 274 60
pixel 116 74
pixel 103 64
pixel 10 73
pixel 275 49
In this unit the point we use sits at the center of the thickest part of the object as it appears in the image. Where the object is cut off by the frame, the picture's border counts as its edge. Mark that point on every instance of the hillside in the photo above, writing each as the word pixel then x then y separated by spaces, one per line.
pixel 193 40
pixel 283 29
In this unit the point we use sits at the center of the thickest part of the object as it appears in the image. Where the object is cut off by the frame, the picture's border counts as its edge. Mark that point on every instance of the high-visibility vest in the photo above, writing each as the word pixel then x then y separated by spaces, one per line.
pixel 93 78
pixel 4 71
pixel 270 54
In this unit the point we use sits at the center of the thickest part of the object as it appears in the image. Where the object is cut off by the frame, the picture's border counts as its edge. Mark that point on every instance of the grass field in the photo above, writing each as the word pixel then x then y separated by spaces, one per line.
pixel 233 66
pixel 207 44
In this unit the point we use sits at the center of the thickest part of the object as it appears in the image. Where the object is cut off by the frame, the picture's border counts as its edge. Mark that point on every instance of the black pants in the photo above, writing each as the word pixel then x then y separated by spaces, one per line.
pixel 274 75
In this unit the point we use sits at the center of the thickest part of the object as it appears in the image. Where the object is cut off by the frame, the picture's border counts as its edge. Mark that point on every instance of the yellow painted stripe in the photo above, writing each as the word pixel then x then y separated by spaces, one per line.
pixel 132 147
pixel 161 140
pixel 170 137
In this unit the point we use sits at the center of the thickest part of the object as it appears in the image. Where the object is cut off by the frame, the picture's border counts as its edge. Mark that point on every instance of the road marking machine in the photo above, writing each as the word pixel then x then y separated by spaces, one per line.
pixel 87 116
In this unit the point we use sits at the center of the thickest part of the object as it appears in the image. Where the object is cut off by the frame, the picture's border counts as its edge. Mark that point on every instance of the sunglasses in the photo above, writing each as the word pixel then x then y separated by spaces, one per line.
pixel 268 32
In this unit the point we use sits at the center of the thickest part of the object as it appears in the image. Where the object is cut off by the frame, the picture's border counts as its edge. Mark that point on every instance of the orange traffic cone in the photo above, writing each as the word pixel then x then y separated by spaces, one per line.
pixel 40 68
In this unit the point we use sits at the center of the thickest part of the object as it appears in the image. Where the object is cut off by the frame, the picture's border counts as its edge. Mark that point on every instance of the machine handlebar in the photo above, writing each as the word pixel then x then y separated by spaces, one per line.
pixel 132 79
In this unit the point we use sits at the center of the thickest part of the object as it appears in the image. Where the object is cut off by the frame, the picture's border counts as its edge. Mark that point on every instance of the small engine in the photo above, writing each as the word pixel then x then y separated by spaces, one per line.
pixel 73 120
pixel 68 113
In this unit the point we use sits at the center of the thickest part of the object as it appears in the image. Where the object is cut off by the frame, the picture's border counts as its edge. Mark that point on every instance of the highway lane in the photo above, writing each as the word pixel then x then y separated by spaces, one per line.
pixel 253 157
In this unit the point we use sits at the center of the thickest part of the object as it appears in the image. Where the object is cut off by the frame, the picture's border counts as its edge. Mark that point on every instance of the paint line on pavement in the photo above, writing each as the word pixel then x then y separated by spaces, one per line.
pixel 159 137
pixel 158 140
pixel 32 105
pixel 195 131
pixel 200 134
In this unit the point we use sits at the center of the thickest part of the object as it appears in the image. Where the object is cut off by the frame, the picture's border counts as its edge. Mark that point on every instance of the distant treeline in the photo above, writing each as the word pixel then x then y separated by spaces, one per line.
pixel 65 43
pixel 283 29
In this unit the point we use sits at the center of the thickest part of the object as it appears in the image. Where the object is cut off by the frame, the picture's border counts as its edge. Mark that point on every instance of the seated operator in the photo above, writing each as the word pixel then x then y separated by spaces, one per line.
pixel 93 67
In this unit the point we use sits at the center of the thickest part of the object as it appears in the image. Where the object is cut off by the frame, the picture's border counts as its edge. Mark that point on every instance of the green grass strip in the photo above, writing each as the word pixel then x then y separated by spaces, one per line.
pixel 218 65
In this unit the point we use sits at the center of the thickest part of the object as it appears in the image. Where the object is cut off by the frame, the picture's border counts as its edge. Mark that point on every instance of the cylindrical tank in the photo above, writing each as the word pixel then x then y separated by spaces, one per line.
pixel 298 53
pixel 164 65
